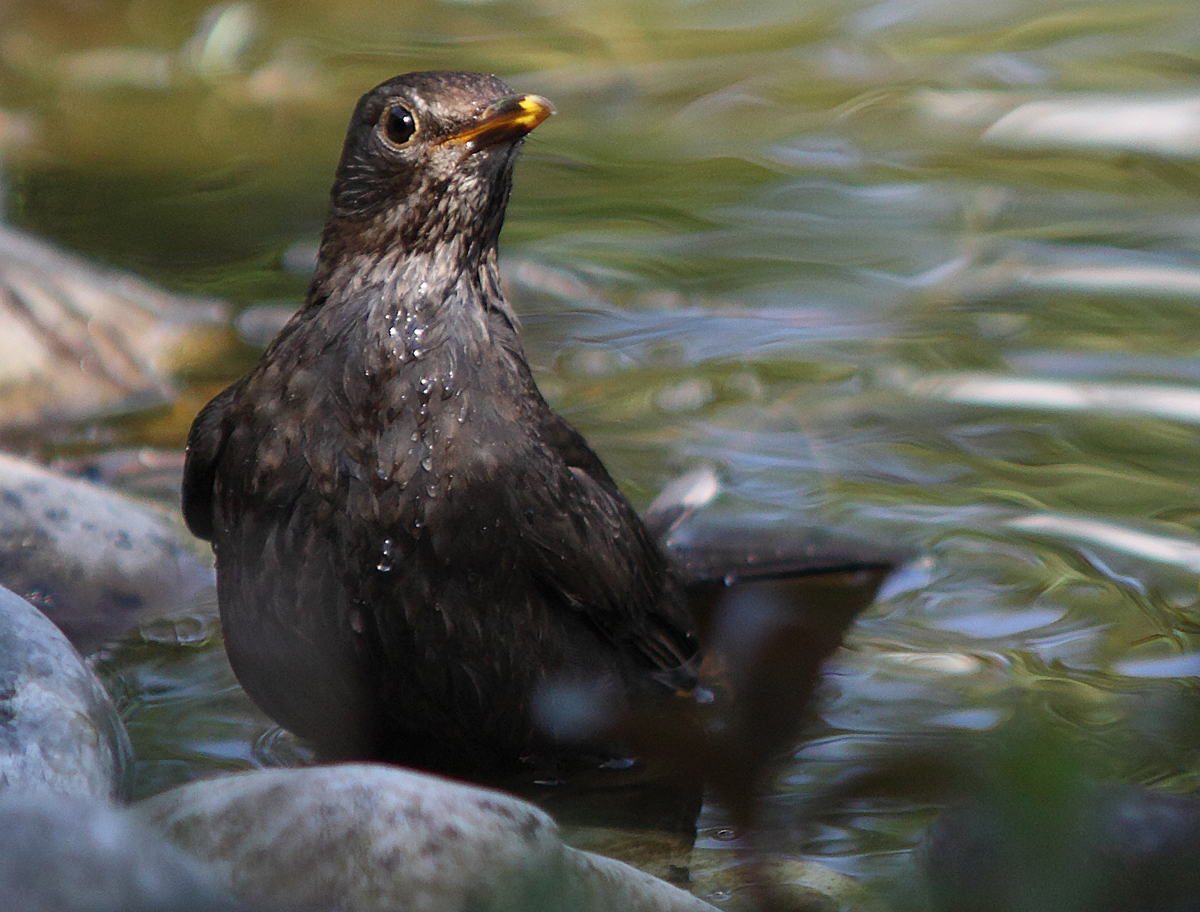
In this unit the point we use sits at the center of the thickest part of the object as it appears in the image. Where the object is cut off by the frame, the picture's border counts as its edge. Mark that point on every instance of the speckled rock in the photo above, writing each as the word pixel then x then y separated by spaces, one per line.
pixel 74 855
pixel 97 563
pixel 369 838
pixel 59 731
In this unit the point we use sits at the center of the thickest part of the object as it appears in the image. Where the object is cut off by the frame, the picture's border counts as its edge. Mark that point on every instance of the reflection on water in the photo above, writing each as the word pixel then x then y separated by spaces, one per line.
pixel 927 268
pixel 1174 403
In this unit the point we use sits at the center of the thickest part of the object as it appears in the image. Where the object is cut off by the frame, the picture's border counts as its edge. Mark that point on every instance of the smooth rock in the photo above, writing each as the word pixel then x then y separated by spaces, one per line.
pixel 78 341
pixel 59 731
pixel 96 562
pixel 73 855
pixel 365 837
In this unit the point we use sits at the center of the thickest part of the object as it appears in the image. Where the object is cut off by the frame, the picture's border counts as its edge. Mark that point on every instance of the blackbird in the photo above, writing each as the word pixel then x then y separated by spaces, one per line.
pixel 412 548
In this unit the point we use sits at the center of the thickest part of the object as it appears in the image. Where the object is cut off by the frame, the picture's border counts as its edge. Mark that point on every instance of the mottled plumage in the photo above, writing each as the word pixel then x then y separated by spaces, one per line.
pixel 410 543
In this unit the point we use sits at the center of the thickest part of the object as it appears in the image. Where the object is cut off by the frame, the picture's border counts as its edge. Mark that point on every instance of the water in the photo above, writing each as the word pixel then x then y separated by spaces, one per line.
pixel 928 268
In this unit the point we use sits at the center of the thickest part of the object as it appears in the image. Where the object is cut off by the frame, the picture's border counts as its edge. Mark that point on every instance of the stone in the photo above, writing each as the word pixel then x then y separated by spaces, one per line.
pixel 369 838
pixel 77 855
pixel 59 731
pixel 96 562
pixel 78 341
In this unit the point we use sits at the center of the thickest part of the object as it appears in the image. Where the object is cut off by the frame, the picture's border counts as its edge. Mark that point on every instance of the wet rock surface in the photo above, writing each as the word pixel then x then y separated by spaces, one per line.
pixel 96 562
pixel 370 837
pixel 62 854
pixel 59 731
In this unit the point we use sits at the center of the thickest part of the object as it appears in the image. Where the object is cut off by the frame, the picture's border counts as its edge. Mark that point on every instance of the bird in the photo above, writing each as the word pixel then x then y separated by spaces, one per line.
pixel 412 548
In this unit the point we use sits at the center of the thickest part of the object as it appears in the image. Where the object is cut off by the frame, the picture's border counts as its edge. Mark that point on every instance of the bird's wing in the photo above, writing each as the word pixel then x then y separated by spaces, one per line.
pixel 205 442
pixel 594 554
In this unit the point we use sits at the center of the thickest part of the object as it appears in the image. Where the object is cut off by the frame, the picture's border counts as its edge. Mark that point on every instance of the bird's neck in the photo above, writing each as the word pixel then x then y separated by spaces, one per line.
pixel 412 305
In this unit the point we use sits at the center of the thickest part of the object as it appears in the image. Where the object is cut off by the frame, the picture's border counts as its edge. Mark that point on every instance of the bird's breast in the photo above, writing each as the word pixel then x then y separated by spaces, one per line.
pixel 434 425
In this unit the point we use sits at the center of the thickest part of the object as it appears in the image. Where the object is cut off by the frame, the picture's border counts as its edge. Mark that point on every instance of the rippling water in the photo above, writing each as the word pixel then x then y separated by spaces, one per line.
pixel 927 268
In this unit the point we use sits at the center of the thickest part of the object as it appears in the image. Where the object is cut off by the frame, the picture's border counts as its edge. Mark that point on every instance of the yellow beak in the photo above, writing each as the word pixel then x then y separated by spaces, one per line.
pixel 506 121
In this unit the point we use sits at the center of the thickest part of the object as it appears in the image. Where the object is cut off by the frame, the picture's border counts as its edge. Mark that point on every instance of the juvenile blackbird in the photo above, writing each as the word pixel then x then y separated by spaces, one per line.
pixel 411 545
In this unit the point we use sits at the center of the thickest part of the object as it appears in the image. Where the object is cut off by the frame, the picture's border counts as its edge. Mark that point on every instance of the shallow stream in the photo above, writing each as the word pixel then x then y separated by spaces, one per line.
pixel 925 268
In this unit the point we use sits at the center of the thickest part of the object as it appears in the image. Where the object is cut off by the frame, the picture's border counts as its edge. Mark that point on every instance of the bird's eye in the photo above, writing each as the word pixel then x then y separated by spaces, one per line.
pixel 399 125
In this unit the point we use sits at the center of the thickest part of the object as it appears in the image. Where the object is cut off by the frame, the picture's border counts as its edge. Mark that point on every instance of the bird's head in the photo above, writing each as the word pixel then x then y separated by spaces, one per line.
pixel 428 162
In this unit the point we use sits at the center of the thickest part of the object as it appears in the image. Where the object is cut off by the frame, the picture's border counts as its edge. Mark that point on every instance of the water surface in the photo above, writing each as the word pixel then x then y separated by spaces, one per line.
pixel 927 268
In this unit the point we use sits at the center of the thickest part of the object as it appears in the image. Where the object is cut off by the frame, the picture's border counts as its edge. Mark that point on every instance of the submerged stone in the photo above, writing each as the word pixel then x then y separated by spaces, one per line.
pixel 364 837
pixel 59 731
pixel 1099 847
